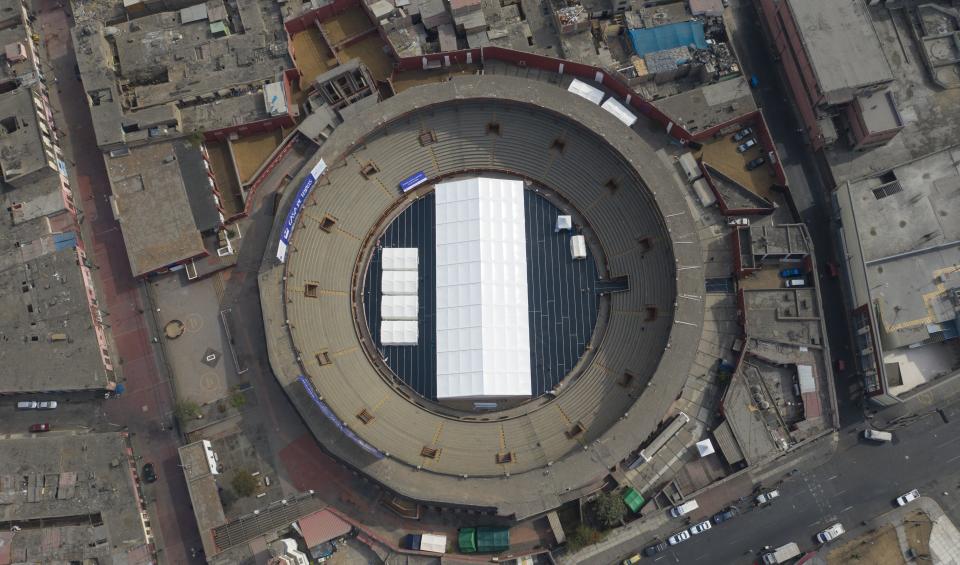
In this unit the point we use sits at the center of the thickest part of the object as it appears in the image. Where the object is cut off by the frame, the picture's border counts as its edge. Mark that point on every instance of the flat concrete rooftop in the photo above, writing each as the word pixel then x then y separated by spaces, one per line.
pixel 151 204
pixel 25 150
pixel 842 46
pixel 45 320
pixel 85 483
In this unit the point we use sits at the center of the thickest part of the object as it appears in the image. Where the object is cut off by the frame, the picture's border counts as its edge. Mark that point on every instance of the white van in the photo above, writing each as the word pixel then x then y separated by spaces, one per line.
pixel 685 508
pixel 877 435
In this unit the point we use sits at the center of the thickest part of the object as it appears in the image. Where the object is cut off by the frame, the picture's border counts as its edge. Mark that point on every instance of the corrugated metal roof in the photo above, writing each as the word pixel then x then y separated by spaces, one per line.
pixel 651 39
pixel 727 443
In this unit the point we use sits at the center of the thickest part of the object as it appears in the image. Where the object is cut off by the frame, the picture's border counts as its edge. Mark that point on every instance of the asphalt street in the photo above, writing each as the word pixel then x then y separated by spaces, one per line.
pixel 808 191
pixel 860 482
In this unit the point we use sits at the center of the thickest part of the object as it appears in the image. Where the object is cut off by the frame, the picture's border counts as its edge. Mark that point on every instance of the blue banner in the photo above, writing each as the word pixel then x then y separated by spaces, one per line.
pixel 413 181
pixel 305 188
pixel 308 386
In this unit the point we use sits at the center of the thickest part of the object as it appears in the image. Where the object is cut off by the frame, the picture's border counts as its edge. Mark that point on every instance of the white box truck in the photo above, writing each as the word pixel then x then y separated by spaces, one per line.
pixel 683 509
pixel 782 554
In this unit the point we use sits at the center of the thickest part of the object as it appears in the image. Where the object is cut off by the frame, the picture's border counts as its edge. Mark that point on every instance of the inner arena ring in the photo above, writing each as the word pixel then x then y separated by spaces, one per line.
pixel 530 458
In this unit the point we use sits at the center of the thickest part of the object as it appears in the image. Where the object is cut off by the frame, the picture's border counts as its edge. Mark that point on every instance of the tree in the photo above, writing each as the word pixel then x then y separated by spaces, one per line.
pixel 237 399
pixel 581 537
pixel 244 484
pixel 609 509
pixel 187 410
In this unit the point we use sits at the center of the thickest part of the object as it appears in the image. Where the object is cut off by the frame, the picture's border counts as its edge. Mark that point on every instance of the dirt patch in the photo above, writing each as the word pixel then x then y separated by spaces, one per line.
pixel 918 527
pixel 878 546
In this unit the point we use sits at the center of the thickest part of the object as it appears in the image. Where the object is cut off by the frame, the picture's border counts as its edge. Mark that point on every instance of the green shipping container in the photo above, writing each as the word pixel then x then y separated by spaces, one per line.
pixel 467 540
pixel 493 540
pixel 634 500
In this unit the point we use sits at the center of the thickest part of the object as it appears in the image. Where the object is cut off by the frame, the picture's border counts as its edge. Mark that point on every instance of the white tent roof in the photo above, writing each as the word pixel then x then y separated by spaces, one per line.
pixel 399 307
pixel 564 222
pixel 584 90
pixel 399 259
pixel 805 376
pixel 620 111
pixel 483 340
pixel 393 332
pixel 399 282
pixel 705 447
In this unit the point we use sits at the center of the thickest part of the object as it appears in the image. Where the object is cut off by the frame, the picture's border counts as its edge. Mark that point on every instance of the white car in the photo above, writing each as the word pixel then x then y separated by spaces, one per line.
pixel 831 533
pixel 767 496
pixel 679 537
pixel 908 498
pixel 47 405
pixel 700 528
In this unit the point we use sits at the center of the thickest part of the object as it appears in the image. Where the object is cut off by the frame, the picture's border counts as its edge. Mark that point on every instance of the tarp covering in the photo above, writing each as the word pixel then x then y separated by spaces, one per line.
pixel 493 540
pixel 483 340
pixel 705 447
pixel 433 542
pixel 399 259
pixel 402 307
pixel 467 540
pixel 657 38
pixel 633 499
pixel 619 111
pixel 564 222
pixel 584 90
pixel 578 247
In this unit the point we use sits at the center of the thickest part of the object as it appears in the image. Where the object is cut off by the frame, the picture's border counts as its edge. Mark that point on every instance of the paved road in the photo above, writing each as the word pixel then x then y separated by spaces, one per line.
pixel 858 483
pixel 145 408
pixel 809 193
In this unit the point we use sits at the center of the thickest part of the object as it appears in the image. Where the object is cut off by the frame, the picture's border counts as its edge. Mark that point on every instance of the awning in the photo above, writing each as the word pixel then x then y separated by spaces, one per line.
pixel 321 527
pixel 727 443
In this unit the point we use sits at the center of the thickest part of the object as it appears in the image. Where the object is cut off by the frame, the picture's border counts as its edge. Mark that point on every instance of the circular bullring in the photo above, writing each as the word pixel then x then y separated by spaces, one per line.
pixel 630 206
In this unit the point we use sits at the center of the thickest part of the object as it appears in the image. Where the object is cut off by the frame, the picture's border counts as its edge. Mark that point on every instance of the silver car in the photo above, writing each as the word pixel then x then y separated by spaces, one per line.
pixel 679 537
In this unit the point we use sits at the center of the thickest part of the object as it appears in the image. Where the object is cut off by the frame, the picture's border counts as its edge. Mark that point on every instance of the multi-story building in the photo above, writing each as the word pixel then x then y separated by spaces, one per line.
pixel 836 70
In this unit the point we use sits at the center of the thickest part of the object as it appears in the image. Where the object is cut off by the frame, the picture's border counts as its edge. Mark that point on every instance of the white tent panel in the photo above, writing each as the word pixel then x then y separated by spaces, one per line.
pixel 705 447
pixel 399 282
pixel 564 223
pixel 805 376
pixel 399 307
pixel 399 259
pixel 394 332
pixel 584 90
pixel 619 111
pixel 483 336
pixel 578 247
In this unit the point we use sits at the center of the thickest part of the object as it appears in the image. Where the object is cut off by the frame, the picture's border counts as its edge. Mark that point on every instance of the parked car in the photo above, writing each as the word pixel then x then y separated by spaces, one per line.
pixel 908 498
pixel 739 222
pixel 877 435
pixel 766 497
pixel 635 558
pixel 794 283
pixel 755 163
pixel 37 428
pixel 684 509
pixel 27 405
pixel 789 273
pixel 831 533
pixel 725 514
pixel 655 548
pixel 746 145
pixel 679 537
pixel 149 473
pixel 47 405
pixel 742 134
pixel 701 527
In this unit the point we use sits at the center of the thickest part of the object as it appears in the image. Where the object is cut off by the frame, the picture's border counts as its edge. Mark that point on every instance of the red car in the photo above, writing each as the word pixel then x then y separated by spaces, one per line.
pixel 40 428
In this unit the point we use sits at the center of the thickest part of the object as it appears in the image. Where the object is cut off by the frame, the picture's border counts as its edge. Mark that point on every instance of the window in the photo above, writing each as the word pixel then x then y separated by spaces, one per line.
pixel 612 185
pixel 427 137
pixel 326 224
pixel 369 170
pixel 558 144
pixel 576 430
pixel 504 458
pixel 310 290
pixel 493 127
pixel 429 452
pixel 323 358
pixel 365 416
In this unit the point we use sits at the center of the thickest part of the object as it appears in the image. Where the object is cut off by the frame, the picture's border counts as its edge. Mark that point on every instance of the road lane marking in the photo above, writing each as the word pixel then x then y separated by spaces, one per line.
pixel 949 442
pixel 813 523
pixel 833 477
pixel 953 459
pixel 839 492
pixel 845 509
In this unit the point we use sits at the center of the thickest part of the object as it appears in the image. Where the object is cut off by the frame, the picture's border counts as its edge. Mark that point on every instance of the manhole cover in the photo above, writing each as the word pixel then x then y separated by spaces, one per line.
pixel 173 329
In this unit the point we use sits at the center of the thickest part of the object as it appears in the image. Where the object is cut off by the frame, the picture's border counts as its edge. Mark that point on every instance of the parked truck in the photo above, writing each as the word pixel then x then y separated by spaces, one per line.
pixel 434 543
pixel 483 539
pixel 782 554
